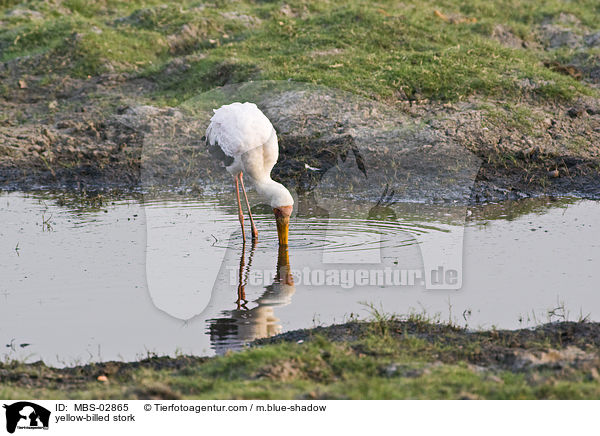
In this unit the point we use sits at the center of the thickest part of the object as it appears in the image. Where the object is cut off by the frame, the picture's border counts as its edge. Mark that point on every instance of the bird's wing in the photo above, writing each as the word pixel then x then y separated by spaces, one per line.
pixel 238 128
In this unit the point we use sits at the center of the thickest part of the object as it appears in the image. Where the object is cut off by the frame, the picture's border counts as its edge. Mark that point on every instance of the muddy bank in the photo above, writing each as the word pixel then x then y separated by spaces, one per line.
pixel 95 134
pixel 556 345
pixel 37 374
pixel 550 361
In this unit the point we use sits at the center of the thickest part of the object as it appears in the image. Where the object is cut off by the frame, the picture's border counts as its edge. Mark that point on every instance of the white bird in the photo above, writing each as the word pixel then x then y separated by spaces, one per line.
pixel 246 141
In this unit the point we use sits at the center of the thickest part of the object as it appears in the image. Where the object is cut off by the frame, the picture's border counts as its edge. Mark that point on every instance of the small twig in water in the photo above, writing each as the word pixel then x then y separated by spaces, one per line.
pixel 46 223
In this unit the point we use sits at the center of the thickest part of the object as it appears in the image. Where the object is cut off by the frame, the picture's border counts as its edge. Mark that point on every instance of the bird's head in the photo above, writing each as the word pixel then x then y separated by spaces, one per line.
pixel 282 216
pixel 282 203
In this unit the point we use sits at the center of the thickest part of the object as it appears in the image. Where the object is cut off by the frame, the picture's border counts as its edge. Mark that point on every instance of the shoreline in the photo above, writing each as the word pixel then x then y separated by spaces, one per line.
pixel 555 360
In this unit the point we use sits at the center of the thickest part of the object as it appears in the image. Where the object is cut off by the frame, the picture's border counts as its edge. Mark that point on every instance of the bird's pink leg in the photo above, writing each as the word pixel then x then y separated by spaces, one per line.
pixel 240 214
pixel 254 231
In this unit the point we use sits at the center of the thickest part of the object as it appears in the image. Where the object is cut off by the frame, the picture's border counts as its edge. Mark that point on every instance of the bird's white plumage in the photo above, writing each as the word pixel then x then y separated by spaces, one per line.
pixel 244 133
pixel 238 128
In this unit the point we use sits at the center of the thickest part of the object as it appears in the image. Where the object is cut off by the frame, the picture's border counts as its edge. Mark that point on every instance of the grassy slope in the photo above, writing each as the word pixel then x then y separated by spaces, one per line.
pixel 384 359
pixel 388 50
pixel 521 110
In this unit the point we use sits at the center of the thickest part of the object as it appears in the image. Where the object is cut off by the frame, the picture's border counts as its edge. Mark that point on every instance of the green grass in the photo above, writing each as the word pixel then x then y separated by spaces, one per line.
pixel 385 50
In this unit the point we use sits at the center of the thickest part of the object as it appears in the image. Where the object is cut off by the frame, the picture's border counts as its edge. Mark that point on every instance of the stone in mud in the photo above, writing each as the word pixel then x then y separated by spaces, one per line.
pixel 592 39
pixel 554 36
pixel 505 37
pixel 176 66
pixel 564 18
pixel 25 13
pixel 570 356
pixel 282 371
pixel 186 39
pixel 407 371
pixel 576 111
pixel 589 64
pixel 247 20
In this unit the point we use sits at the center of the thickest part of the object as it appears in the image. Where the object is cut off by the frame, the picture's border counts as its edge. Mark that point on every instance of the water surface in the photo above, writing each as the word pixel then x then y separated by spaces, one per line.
pixel 88 278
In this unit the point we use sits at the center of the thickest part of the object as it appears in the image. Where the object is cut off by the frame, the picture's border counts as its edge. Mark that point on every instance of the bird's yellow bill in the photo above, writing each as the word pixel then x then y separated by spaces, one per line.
pixel 283 227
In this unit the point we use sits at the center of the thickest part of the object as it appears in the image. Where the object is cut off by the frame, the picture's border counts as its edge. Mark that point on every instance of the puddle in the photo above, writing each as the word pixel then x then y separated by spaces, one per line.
pixel 86 279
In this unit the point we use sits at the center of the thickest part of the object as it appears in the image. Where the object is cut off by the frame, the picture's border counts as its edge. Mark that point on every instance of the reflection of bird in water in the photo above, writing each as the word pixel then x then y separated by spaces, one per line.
pixel 242 325
pixel 244 139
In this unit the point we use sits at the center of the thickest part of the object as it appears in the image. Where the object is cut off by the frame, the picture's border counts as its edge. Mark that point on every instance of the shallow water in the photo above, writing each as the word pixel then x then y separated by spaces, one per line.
pixel 86 279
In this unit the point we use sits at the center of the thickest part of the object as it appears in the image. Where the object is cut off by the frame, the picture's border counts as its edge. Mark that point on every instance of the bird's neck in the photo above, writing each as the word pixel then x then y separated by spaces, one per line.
pixel 267 187
pixel 275 193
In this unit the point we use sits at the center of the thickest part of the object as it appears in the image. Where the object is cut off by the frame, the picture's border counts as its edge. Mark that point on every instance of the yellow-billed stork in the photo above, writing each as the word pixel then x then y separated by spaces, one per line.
pixel 245 140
